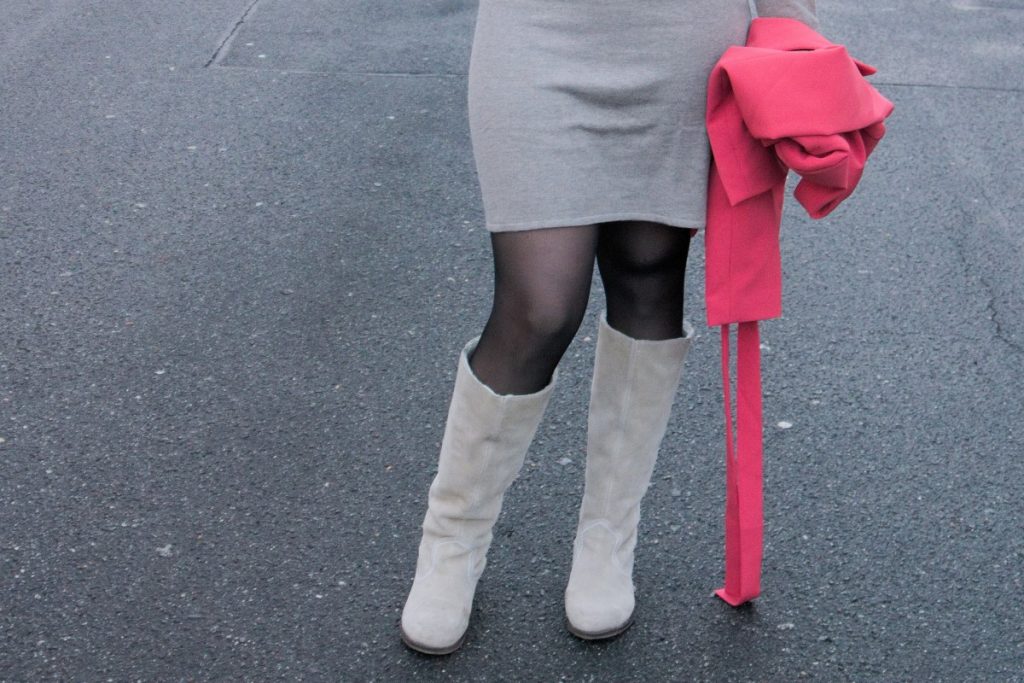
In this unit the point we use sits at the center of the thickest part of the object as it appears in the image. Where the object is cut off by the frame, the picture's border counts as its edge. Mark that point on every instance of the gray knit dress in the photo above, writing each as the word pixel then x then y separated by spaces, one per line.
pixel 583 111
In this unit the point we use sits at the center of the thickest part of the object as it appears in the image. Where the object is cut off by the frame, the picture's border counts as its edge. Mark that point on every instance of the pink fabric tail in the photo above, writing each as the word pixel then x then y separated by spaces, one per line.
pixel 744 522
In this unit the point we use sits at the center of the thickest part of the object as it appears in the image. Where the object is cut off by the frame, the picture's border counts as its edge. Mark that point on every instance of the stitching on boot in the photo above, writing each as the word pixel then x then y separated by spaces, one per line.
pixel 605 524
pixel 433 555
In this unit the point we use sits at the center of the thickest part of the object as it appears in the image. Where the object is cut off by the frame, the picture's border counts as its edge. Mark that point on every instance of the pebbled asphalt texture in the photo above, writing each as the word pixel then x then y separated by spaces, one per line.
pixel 241 245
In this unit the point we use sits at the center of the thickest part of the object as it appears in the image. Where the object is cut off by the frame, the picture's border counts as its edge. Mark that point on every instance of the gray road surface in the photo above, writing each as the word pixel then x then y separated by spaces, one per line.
pixel 241 245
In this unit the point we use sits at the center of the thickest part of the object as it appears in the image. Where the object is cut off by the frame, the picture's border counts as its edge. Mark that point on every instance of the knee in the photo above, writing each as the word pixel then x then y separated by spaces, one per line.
pixel 550 328
pixel 642 263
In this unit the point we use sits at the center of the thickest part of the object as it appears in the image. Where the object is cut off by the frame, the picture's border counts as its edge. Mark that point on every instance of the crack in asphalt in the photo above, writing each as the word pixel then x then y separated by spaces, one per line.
pixel 947 86
pixel 973 265
pixel 225 43
pixel 345 72
pixel 996 318
pixel 969 268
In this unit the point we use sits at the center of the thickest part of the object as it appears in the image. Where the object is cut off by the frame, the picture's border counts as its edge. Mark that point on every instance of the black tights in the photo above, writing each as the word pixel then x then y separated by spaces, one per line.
pixel 542 287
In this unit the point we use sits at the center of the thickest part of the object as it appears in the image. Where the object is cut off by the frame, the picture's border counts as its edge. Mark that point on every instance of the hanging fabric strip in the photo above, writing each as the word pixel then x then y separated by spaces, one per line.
pixel 744 522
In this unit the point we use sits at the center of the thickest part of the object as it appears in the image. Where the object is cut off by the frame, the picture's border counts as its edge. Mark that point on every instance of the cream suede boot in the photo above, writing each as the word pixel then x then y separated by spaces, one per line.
pixel 631 397
pixel 485 441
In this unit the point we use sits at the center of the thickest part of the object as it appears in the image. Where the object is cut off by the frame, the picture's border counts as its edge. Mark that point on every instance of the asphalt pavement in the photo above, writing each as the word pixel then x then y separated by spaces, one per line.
pixel 241 245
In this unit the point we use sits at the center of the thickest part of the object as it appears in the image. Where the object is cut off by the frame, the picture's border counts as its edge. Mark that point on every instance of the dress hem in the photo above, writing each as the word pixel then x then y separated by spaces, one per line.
pixel 690 223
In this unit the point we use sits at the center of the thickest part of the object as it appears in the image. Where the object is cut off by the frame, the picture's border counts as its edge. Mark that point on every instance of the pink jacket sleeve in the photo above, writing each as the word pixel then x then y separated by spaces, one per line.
pixel 803 10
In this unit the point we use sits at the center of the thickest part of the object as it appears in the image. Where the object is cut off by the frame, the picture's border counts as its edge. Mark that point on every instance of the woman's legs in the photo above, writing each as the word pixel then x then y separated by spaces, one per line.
pixel 541 289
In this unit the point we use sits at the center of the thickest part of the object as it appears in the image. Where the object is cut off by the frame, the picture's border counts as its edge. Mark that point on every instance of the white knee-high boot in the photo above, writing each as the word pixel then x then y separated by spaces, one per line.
pixel 631 397
pixel 485 441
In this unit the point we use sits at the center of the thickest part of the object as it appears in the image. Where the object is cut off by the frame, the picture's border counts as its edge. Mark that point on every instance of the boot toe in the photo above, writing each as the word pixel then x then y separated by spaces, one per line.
pixel 592 616
pixel 434 626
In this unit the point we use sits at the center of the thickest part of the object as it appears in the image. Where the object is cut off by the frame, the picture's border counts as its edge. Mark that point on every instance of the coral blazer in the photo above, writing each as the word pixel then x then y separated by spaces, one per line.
pixel 787 100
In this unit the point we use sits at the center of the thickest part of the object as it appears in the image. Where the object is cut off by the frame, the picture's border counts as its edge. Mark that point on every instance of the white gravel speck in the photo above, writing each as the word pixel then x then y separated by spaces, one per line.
pixel 164 551
pixel 783 424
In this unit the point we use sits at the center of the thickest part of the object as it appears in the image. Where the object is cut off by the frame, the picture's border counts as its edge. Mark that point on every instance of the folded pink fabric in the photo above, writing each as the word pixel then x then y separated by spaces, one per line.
pixel 787 100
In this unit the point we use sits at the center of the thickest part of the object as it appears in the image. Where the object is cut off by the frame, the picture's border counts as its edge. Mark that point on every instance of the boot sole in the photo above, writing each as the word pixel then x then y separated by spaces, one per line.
pixel 599 635
pixel 427 649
